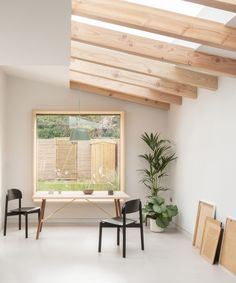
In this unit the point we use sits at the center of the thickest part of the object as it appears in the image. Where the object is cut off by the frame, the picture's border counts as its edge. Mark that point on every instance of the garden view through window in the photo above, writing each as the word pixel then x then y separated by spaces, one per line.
pixel 74 152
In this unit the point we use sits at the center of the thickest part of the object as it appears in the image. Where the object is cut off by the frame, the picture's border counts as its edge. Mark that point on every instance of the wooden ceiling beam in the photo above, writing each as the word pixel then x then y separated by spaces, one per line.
pixel 120 96
pixel 153 49
pixel 133 78
pixel 158 21
pixel 227 5
pixel 141 65
pixel 128 89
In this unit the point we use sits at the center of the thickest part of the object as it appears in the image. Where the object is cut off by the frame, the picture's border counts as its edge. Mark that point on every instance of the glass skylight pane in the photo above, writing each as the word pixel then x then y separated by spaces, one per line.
pixel 176 6
pixel 122 29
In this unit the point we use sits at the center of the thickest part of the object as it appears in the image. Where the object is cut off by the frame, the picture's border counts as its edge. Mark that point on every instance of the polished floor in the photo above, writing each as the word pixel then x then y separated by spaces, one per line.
pixel 68 254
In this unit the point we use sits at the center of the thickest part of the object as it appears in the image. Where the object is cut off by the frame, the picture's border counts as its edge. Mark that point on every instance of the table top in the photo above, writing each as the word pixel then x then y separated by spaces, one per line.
pixel 80 195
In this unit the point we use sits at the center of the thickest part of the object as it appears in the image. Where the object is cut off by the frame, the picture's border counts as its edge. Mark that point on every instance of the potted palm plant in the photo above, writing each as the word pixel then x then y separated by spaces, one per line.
pixel 159 157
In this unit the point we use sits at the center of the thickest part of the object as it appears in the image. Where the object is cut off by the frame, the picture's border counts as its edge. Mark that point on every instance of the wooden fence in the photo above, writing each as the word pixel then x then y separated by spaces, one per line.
pixel 61 159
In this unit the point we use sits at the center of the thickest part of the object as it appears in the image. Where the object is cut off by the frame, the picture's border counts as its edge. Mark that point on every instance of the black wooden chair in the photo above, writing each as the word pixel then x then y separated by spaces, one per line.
pixel 15 194
pixel 123 223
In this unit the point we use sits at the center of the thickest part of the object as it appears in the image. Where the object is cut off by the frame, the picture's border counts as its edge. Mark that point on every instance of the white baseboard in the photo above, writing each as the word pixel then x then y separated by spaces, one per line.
pixel 185 232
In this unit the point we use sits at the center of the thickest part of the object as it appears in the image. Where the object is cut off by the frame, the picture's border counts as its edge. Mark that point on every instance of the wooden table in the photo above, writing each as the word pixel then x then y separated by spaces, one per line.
pixel 69 197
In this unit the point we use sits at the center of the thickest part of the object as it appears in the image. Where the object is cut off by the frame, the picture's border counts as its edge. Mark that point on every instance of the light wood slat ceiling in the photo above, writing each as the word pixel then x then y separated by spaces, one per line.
pixel 120 96
pixel 132 78
pixel 154 49
pixel 141 65
pixel 158 21
pixel 143 70
pixel 133 90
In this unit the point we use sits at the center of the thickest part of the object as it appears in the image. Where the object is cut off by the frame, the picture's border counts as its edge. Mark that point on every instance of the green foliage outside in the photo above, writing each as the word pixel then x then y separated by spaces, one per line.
pixel 74 186
pixel 51 126
pixel 58 126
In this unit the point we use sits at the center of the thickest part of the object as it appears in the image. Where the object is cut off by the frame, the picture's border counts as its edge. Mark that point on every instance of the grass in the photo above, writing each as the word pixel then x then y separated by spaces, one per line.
pixel 73 186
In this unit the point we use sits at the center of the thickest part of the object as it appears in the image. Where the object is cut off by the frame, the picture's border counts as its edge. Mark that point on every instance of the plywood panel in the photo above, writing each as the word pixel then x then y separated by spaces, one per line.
pixel 210 239
pixel 228 251
pixel 204 210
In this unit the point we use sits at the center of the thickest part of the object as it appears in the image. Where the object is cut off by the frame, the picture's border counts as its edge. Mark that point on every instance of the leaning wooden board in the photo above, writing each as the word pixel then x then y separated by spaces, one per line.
pixel 204 210
pixel 210 239
pixel 228 249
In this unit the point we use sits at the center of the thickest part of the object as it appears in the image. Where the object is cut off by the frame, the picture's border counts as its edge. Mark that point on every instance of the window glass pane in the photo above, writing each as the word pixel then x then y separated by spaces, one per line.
pixel 77 152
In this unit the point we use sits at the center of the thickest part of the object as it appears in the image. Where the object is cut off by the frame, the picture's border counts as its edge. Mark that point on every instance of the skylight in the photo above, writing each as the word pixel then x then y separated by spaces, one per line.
pixel 177 6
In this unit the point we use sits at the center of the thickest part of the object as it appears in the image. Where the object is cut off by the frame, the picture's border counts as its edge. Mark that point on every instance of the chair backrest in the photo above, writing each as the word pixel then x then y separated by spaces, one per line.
pixel 11 195
pixel 14 194
pixel 131 206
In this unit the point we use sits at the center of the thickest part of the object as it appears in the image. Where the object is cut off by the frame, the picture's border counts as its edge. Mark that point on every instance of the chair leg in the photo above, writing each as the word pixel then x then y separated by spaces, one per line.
pixel 19 221
pixel 118 236
pixel 146 221
pixel 26 225
pixel 100 238
pixel 5 225
pixel 142 238
pixel 124 241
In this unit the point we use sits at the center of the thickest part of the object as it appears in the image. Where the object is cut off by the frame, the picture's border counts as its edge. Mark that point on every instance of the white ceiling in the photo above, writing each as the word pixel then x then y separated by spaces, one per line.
pixel 38 47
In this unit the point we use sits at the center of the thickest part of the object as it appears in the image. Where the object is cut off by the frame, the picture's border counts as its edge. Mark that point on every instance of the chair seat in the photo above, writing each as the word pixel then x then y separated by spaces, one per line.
pixel 118 221
pixel 25 209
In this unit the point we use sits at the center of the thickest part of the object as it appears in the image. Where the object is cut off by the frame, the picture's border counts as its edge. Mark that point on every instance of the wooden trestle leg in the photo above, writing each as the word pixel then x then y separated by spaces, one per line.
pixel 40 223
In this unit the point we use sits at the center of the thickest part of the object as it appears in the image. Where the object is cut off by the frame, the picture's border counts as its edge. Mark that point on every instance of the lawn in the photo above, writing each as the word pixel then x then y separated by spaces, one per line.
pixel 74 186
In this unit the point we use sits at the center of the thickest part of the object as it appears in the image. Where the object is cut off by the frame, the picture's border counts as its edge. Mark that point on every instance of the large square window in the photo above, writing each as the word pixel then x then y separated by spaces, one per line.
pixel 74 151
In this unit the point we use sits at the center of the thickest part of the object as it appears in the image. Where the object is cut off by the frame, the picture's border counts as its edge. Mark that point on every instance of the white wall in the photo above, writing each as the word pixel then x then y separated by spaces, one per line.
pixel 2 142
pixel 23 96
pixel 204 131
pixel 35 32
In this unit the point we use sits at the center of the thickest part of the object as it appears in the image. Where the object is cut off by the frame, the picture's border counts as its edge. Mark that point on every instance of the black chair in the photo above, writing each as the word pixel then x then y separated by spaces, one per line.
pixel 123 223
pixel 14 194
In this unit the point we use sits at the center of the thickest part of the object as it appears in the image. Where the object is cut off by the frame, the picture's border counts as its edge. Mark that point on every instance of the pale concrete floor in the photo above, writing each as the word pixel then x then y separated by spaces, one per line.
pixel 68 254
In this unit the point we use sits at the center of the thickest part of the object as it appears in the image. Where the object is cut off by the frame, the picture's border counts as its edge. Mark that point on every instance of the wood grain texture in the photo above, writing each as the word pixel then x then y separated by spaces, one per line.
pixel 133 78
pixel 103 155
pixel 141 65
pixel 153 49
pixel 210 239
pixel 124 88
pixel 120 96
pixel 228 250
pixel 227 5
pixel 158 21
pixel 204 210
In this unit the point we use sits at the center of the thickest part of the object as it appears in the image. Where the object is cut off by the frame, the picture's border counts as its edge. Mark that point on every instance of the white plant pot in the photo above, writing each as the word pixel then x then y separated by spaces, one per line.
pixel 154 227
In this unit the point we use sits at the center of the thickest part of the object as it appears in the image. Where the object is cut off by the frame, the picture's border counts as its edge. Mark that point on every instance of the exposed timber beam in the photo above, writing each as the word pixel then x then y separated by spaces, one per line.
pixel 133 78
pixel 131 90
pixel 227 5
pixel 120 96
pixel 153 49
pixel 158 21
pixel 141 65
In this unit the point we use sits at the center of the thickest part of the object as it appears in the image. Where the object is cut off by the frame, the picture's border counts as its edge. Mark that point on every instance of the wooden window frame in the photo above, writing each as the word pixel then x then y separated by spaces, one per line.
pixel 53 112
